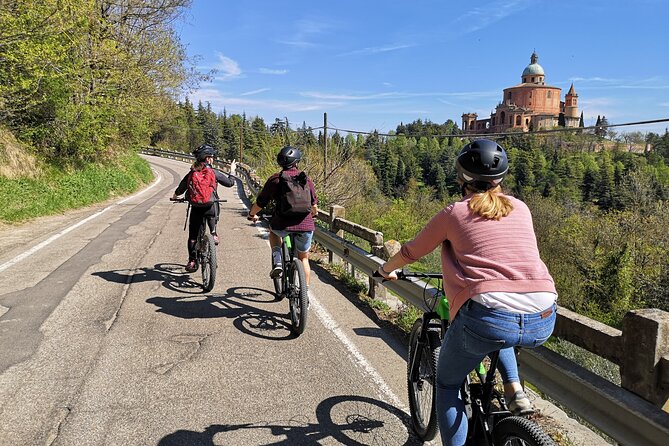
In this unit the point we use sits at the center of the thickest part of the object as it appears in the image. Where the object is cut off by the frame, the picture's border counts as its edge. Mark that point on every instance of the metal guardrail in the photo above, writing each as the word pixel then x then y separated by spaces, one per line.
pixel 625 417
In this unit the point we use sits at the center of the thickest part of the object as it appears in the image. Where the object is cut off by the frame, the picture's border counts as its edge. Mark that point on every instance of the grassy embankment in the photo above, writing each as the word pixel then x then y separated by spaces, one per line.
pixel 30 188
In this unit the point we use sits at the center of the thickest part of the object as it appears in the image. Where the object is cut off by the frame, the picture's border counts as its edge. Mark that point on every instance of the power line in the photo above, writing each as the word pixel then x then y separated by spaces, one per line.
pixel 476 135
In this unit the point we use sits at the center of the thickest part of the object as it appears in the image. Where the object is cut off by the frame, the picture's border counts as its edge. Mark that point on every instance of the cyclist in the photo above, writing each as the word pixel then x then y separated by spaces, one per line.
pixel 500 292
pixel 281 224
pixel 204 158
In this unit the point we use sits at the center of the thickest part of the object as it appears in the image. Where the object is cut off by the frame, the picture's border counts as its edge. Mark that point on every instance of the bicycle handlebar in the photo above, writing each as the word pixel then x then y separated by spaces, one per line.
pixel 403 274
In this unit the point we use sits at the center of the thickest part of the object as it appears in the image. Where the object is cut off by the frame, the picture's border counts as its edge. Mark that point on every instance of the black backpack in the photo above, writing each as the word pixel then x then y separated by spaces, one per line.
pixel 295 200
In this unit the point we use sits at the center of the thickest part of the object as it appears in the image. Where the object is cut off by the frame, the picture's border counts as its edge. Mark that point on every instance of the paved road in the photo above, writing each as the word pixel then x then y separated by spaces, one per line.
pixel 104 340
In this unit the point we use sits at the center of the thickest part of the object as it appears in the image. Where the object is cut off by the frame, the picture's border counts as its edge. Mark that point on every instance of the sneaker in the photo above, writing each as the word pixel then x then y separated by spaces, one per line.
pixel 519 404
pixel 277 270
pixel 215 238
pixel 191 266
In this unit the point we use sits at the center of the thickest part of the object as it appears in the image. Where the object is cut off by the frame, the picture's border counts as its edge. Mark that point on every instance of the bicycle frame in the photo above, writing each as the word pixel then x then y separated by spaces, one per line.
pixel 287 257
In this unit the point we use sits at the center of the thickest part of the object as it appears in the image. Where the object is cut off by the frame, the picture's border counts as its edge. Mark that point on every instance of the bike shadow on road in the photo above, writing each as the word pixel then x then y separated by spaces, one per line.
pixel 242 304
pixel 171 275
pixel 349 419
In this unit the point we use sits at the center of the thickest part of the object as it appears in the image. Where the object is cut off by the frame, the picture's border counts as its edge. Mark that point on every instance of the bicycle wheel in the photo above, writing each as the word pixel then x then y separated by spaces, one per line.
pixel 421 382
pixel 298 297
pixel 519 431
pixel 208 262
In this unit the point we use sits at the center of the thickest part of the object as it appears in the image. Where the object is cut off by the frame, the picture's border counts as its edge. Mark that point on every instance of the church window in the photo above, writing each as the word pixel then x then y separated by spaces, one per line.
pixel 518 120
pixel 530 94
pixel 509 95
pixel 533 79
pixel 548 94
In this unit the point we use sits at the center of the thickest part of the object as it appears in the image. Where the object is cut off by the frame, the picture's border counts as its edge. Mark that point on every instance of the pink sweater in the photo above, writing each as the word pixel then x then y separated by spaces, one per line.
pixel 480 255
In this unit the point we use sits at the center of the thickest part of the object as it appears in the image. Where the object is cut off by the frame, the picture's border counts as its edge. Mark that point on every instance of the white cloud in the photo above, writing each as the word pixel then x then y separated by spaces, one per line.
pixel 396 95
pixel 271 71
pixel 377 49
pixel 238 104
pixel 484 16
pixel 305 31
pixel 228 67
pixel 250 93
pixel 592 79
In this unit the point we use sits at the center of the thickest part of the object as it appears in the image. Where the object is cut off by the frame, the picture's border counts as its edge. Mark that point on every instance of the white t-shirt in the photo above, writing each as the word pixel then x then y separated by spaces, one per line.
pixel 523 303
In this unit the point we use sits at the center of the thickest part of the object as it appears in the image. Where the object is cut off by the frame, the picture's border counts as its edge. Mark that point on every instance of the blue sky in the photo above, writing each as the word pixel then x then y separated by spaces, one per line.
pixel 373 64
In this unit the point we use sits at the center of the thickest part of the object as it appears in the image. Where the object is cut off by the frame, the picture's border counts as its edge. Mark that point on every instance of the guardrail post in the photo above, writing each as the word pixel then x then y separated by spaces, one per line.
pixel 335 212
pixel 645 342
pixel 376 290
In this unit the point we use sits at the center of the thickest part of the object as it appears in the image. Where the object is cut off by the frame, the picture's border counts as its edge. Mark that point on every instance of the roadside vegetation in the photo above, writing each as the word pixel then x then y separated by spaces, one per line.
pixel 83 85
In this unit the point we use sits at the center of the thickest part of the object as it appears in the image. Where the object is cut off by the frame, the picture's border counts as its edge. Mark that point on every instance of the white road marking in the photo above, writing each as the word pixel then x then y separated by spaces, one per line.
pixel 358 358
pixel 55 237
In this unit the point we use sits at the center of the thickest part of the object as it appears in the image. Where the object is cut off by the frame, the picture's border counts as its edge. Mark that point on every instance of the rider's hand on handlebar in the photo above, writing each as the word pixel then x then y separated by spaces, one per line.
pixel 388 276
pixel 253 218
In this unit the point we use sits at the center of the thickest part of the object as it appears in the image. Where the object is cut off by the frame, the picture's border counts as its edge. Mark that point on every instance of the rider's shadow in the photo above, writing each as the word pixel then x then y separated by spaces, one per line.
pixel 172 277
pixel 242 304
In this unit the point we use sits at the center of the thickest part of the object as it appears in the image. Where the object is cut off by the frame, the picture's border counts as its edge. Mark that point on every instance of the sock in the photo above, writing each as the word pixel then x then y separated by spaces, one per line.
pixel 276 255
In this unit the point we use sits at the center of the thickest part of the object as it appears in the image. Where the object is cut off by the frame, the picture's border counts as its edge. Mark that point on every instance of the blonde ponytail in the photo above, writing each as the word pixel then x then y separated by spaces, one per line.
pixel 491 204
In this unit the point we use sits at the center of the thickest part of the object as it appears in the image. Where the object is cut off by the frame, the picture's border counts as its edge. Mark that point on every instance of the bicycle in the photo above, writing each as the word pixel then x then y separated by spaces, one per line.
pixel 292 283
pixel 205 249
pixel 490 421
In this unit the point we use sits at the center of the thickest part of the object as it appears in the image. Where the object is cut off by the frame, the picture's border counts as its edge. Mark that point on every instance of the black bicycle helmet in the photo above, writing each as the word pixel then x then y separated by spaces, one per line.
pixel 204 151
pixel 482 164
pixel 288 157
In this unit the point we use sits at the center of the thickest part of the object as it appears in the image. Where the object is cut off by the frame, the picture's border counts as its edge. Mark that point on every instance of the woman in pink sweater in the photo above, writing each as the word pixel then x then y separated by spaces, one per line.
pixel 500 293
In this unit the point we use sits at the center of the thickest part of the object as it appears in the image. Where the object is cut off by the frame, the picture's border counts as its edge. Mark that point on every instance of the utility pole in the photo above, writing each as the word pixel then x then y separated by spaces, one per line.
pixel 325 148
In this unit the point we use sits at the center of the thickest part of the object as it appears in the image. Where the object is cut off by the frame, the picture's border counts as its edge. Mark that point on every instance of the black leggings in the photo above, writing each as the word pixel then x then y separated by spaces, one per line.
pixel 197 215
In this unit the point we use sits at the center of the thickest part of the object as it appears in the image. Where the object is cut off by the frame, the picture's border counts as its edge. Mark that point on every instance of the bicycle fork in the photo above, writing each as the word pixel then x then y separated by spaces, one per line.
pixel 423 340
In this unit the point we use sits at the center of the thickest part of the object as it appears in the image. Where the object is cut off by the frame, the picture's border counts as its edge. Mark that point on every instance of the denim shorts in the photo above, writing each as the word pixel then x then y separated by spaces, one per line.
pixel 302 239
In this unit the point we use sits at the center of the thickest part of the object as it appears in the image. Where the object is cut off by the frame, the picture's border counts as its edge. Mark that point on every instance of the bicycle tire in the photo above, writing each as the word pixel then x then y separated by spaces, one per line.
pixel 298 297
pixel 422 388
pixel 512 431
pixel 208 263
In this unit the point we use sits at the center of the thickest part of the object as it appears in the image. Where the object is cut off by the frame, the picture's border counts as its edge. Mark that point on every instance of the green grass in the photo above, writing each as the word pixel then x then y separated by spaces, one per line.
pixel 58 189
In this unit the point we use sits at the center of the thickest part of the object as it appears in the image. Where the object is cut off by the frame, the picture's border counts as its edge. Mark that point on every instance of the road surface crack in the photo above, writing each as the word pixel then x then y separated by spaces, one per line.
pixel 194 343
pixel 61 416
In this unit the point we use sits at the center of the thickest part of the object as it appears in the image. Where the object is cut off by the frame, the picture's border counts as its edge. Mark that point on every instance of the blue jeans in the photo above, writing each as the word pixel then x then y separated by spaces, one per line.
pixel 476 331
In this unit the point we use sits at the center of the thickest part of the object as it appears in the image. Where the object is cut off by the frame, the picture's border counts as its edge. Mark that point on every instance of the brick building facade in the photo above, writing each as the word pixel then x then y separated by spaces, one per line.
pixel 530 105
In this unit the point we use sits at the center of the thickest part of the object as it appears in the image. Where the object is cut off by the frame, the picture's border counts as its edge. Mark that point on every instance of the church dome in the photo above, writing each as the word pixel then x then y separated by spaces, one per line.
pixel 533 69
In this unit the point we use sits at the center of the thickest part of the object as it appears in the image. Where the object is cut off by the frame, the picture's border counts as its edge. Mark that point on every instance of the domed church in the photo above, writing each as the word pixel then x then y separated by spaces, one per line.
pixel 530 105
